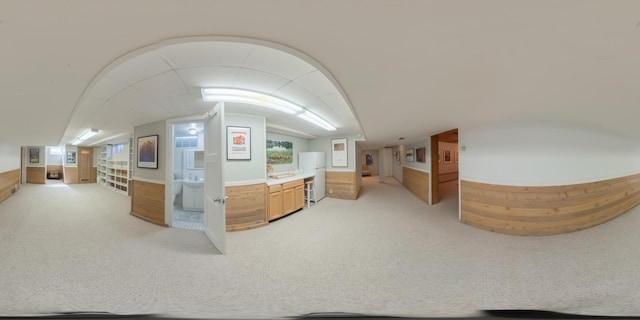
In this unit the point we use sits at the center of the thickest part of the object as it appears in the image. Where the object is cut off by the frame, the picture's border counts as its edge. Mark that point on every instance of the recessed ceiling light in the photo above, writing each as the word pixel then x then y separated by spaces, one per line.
pixel 192 130
pixel 401 138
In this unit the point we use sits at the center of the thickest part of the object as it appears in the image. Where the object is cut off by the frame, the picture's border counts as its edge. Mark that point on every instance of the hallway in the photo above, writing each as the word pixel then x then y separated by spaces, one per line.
pixel 76 248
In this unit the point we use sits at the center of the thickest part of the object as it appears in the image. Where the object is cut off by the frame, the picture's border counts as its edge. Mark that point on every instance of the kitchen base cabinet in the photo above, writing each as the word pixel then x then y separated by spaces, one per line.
pixel 285 198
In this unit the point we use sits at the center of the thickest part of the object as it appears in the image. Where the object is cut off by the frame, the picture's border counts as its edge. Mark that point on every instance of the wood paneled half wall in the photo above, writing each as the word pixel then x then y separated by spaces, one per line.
pixel 246 207
pixel 147 201
pixel 417 182
pixel 546 210
pixel 341 184
pixel 70 175
pixel 36 175
pixel 9 183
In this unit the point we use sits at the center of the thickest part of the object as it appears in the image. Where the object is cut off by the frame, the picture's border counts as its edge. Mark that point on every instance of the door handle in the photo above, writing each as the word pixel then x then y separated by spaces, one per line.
pixel 219 200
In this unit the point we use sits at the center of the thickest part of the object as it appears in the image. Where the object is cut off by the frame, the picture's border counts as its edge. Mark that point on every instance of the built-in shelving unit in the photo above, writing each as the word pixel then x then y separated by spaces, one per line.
pixel 115 174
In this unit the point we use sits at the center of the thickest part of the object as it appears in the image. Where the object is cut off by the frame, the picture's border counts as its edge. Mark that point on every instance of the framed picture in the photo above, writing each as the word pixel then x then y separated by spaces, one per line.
pixel 239 143
pixel 421 155
pixel 148 152
pixel 447 156
pixel 409 155
pixel 339 153
pixel 34 155
pixel 71 157
pixel 369 159
pixel 279 152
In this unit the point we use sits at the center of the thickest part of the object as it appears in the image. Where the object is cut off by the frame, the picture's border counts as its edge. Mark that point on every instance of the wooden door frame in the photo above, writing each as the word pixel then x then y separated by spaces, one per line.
pixel 435 165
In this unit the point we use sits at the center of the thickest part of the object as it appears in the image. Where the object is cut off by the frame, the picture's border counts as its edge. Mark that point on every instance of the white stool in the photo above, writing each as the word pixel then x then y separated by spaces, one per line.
pixel 310 191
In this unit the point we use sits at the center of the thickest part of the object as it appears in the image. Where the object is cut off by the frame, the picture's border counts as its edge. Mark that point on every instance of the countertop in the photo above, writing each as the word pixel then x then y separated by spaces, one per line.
pixel 298 176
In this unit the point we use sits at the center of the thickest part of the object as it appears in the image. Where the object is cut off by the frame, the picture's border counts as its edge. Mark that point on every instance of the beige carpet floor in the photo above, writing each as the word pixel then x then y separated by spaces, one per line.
pixel 76 248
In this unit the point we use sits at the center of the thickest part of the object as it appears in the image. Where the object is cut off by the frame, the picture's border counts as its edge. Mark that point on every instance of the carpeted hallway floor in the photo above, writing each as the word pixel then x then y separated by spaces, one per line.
pixel 76 248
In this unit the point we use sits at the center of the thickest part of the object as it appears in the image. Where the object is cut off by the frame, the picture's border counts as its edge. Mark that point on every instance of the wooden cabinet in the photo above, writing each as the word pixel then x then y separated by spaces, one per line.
pixel 285 198
pixel 275 202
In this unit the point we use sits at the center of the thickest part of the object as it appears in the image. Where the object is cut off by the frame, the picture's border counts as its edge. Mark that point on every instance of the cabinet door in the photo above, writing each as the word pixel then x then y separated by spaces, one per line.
pixel 288 200
pixel 299 197
pixel 198 201
pixel 275 205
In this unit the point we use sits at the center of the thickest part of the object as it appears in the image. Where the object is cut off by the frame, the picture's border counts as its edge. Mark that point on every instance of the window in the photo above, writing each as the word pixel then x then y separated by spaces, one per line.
pixel 55 151
pixel 187 142
pixel 118 148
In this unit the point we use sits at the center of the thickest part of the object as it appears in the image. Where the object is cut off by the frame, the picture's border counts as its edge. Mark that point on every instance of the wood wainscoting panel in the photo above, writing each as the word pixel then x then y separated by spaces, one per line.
pixel 94 174
pixel 547 210
pixel 9 183
pixel 246 207
pixel 147 201
pixel 36 175
pixel 417 182
pixel 341 184
pixel 70 175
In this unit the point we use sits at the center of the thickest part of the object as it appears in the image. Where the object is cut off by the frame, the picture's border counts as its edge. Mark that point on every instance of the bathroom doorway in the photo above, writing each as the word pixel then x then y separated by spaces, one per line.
pixel 188 175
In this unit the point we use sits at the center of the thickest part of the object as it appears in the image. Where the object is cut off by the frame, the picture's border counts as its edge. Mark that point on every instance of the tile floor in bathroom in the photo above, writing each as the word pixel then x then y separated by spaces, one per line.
pixel 193 220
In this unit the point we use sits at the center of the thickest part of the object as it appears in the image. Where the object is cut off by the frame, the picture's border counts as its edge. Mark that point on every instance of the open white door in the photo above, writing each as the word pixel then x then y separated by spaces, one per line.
pixel 215 224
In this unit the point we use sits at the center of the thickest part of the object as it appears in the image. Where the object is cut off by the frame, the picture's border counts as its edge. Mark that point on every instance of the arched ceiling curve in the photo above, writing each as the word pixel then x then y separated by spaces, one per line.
pixel 163 81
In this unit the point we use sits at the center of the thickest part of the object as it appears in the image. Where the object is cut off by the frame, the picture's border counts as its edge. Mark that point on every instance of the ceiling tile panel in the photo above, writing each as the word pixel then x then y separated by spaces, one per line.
pixel 317 83
pixel 204 54
pixel 259 81
pixel 107 87
pixel 208 76
pixel 161 86
pixel 277 62
pixel 139 68
pixel 296 94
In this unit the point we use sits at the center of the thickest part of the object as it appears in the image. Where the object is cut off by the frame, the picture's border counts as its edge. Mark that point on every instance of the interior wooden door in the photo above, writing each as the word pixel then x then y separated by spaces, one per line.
pixel 85 162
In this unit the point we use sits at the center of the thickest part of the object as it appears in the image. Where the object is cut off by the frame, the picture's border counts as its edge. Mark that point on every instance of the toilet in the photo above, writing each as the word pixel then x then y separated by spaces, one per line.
pixel 177 189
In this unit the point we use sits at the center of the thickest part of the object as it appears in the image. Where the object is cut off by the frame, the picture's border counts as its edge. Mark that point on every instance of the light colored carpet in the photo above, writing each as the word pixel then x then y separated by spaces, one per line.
pixel 76 248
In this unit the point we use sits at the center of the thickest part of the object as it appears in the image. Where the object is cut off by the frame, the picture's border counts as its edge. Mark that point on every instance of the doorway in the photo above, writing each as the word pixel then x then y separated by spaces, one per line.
pixel 444 166
pixel 188 175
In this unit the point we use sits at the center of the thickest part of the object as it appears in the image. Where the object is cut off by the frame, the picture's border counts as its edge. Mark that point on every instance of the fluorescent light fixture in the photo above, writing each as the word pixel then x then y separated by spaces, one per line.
pixel 88 134
pixel 317 121
pixel 263 100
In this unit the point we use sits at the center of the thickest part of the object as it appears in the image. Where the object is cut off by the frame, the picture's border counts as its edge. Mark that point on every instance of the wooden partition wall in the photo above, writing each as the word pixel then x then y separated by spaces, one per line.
pixel 70 175
pixel 547 210
pixel 147 201
pixel 36 175
pixel 417 182
pixel 9 183
pixel 341 184
pixel 246 207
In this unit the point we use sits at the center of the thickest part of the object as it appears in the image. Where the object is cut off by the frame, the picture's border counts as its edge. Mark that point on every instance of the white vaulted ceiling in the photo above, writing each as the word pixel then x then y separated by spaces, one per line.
pixel 400 68
pixel 164 81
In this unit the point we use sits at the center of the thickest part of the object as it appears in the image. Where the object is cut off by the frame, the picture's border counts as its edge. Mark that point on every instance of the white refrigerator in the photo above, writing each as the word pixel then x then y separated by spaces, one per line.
pixel 314 162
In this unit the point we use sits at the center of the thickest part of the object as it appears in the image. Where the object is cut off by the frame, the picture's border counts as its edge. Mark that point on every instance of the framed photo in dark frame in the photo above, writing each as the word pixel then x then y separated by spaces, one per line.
pixel 148 152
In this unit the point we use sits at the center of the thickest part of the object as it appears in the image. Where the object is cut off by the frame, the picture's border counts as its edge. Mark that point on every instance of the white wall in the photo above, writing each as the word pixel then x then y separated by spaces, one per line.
pixel 299 145
pixel 154 128
pixel 422 166
pixel 544 154
pixel 9 157
pixel 323 144
pixel 42 156
pixel 398 162
pixel 248 170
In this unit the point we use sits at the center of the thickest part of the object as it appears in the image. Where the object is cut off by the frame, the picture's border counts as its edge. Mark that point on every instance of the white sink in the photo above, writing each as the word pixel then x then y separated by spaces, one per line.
pixel 193 184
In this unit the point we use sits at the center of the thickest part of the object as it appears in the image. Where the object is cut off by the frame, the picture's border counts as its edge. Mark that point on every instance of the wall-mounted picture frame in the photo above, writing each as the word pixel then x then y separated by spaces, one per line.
pixel 339 153
pixel 369 159
pixel 148 152
pixel 34 155
pixel 71 157
pixel 421 155
pixel 447 156
pixel 238 143
pixel 279 152
pixel 409 155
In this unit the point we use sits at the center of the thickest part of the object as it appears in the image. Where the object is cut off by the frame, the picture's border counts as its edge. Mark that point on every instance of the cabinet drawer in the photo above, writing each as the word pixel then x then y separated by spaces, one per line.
pixel 292 184
pixel 275 188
